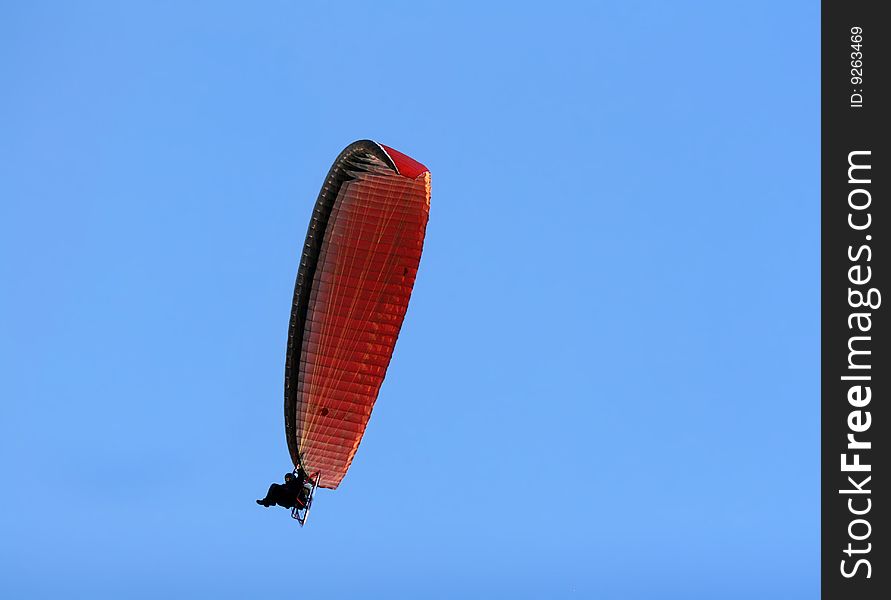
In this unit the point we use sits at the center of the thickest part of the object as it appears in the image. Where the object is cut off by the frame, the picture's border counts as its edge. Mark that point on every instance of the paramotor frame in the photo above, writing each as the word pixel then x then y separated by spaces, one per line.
pixel 300 512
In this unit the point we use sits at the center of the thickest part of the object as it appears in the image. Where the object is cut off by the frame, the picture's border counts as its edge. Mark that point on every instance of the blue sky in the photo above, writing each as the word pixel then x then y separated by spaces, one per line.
pixel 607 382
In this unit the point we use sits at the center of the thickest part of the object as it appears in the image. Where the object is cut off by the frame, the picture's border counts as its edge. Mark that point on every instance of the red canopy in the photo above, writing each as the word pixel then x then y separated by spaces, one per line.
pixel 355 279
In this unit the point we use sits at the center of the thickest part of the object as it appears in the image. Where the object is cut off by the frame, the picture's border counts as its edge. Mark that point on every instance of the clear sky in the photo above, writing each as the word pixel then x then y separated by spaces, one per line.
pixel 607 382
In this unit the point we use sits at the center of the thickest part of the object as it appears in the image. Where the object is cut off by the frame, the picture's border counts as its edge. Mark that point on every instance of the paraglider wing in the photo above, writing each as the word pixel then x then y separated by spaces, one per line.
pixel 354 282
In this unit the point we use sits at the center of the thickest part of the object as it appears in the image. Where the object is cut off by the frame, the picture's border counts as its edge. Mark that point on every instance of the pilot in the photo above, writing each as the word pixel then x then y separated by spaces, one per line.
pixel 288 495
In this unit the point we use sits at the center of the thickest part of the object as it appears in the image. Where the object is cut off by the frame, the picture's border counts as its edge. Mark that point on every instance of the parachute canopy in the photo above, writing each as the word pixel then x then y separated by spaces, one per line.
pixel 353 285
